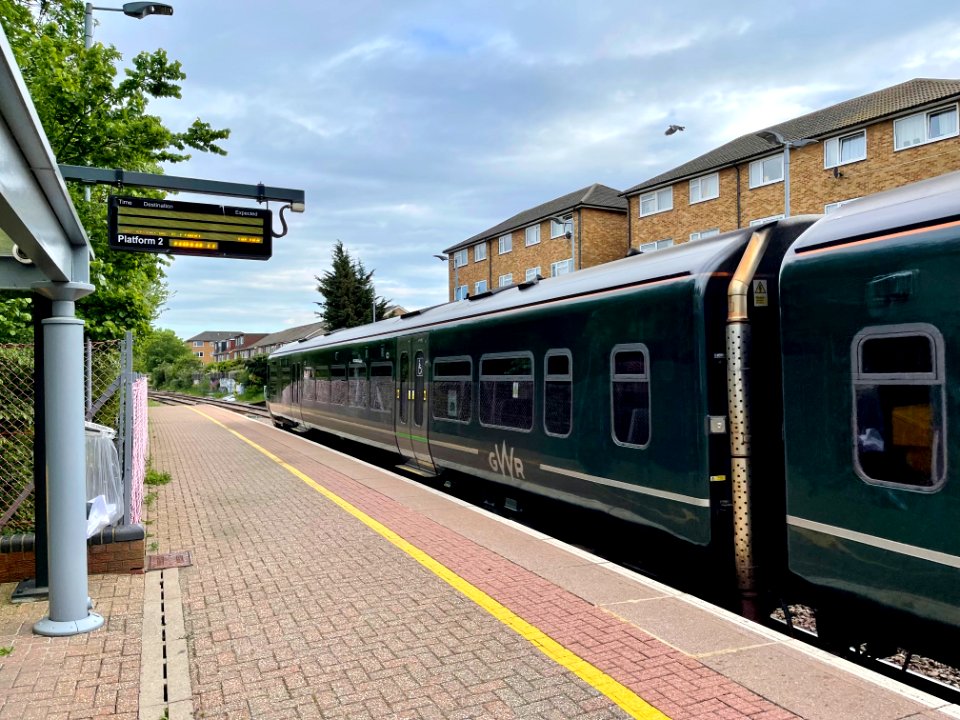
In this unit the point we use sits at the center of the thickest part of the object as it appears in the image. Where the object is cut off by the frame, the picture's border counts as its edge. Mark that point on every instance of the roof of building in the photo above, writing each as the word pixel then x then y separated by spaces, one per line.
pixel 301 332
pixel 819 124
pixel 594 196
pixel 214 335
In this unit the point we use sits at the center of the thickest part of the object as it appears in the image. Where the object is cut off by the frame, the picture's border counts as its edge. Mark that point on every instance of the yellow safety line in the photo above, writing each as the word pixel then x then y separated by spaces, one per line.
pixel 636 706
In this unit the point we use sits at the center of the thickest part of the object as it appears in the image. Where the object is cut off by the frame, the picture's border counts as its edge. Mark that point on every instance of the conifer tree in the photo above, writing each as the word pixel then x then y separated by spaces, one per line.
pixel 348 292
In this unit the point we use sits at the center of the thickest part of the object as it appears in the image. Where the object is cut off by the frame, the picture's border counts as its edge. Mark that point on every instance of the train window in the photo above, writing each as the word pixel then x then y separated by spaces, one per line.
pixel 381 387
pixel 558 392
pixel 453 389
pixel 338 384
pixel 899 421
pixel 359 388
pixel 630 395
pixel 506 391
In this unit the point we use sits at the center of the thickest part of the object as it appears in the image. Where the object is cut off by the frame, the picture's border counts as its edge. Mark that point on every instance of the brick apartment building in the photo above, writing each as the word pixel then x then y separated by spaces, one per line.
pixel 203 345
pixel 230 348
pixel 861 146
pixel 530 243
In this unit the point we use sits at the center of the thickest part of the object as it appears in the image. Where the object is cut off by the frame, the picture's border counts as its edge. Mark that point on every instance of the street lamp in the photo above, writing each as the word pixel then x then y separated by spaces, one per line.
pixel 569 233
pixel 138 10
pixel 456 274
pixel 772 136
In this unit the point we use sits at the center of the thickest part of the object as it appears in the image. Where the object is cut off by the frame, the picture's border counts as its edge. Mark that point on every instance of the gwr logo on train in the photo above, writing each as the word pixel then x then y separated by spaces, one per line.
pixel 505 463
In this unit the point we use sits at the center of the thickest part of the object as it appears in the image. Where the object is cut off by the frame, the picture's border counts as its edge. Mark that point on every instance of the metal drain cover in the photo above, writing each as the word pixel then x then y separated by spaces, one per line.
pixel 180 558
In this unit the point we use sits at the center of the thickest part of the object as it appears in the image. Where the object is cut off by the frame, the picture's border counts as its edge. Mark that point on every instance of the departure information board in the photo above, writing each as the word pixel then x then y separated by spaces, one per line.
pixel 182 228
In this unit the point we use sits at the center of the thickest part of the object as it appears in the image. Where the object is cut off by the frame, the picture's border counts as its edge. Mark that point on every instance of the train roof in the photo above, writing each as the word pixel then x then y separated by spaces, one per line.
pixel 902 208
pixel 688 259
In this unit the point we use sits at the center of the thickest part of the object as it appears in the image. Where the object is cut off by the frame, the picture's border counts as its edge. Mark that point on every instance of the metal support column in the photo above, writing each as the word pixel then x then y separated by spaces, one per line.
pixel 66 465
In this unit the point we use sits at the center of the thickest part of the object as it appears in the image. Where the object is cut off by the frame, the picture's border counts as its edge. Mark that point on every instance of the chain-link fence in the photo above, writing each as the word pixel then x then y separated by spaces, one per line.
pixel 106 366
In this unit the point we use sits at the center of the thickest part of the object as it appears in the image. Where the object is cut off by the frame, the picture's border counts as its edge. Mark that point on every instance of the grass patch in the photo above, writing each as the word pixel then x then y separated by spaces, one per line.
pixel 156 477
pixel 4 651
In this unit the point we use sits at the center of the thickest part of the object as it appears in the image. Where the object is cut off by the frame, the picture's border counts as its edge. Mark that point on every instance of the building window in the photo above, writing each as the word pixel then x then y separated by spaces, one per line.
pixel 479 287
pixel 925 127
pixel 479 252
pixel 559 229
pixel 657 201
pixel 834 206
pixel 704 234
pixel 453 388
pixel 198 343
pixel 199 354
pixel 630 395
pixel 766 171
pixel 558 393
pixel 532 235
pixel 561 267
pixel 899 419
pixel 656 245
pixel 532 273
pixel 460 293
pixel 845 149
pixel 506 244
pixel 505 280
pixel 460 258
pixel 704 188
pixel 506 391
pixel 764 220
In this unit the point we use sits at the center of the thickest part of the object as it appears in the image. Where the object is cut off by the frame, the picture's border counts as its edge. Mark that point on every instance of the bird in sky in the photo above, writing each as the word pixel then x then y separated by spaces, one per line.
pixel 672 129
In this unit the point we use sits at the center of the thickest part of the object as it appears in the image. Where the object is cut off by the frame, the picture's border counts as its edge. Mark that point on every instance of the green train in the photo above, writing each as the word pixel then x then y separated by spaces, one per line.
pixel 780 393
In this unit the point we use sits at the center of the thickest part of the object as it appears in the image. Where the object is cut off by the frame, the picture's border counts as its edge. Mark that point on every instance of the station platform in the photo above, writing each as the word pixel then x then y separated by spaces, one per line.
pixel 323 587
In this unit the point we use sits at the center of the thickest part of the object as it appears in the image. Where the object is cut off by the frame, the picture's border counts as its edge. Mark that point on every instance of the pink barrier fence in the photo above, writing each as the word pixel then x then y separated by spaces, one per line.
pixel 139 469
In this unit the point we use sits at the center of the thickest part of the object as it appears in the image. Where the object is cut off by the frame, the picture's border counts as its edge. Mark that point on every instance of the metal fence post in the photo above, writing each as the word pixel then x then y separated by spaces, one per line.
pixel 127 410
pixel 89 376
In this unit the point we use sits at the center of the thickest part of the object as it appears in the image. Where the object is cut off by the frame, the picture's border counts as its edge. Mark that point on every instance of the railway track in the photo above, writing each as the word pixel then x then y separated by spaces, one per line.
pixel 170 398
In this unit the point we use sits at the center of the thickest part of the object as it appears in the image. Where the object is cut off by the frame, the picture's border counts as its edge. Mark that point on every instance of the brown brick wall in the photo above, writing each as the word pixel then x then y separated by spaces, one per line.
pixel 112 559
pixel 207 351
pixel 811 186
pixel 604 238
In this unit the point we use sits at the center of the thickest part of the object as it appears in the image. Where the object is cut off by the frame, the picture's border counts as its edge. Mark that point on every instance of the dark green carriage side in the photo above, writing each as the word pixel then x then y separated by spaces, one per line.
pixel 871 334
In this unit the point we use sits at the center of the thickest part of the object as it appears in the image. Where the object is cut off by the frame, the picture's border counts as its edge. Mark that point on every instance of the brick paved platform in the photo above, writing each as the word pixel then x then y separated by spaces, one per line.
pixel 403 604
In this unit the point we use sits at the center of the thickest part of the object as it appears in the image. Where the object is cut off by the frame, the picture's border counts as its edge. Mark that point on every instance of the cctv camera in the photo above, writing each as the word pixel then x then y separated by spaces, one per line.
pixel 20 256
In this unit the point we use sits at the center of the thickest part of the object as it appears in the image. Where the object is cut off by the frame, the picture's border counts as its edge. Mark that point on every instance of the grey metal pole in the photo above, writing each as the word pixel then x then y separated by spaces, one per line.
pixel 89 364
pixel 88 26
pixel 66 465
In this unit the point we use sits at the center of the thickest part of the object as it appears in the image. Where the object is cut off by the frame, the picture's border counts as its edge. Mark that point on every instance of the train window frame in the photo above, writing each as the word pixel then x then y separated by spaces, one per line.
pixel 557 377
pixel 434 378
pixel 481 378
pixel 935 378
pixel 334 379
pixel 631 378
pixel 381 364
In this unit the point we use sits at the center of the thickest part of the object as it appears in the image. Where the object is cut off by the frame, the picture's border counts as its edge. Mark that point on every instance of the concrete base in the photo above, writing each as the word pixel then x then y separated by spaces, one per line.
pixel 58 628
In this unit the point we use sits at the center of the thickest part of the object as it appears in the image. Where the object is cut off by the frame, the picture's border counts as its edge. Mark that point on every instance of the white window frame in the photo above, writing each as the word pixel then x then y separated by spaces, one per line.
pixel 662 201
pixel 479 286
pixel 531 235
pixel 704 234
pixel 505 280
pixel 759 164
pixel 505 240
pixel 655 245
pixel 697 184
pixel 837 144
pixel 926 126
pixel 480 252
pixel 559 229
pixel 460 293
pixel 531 273
pixel 199 354
pixel 461 258
pixel 555 267
pixel 769 218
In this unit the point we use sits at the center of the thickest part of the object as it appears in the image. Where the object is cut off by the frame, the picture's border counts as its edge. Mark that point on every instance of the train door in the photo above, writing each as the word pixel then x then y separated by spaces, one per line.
pixel 411 406
pixel 296 390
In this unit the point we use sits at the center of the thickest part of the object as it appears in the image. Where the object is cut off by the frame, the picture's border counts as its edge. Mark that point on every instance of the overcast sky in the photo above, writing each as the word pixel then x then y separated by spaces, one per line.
pixel 414 125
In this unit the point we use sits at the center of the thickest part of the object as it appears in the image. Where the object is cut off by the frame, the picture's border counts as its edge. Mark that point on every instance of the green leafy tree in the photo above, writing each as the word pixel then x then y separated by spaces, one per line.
pixel 160 347
pixel 348 292
pixel 93 117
